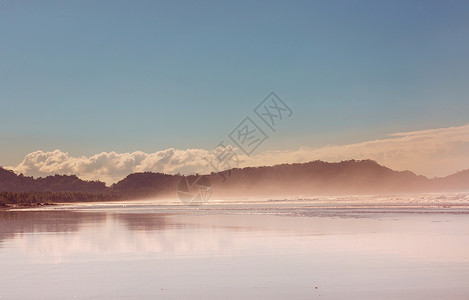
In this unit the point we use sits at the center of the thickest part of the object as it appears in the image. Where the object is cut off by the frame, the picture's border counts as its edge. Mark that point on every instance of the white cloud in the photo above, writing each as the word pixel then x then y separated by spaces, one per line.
pixel 435 152
pixel 111 167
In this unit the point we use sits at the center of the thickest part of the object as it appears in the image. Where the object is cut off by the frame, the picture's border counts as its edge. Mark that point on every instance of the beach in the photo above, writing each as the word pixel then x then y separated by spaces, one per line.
pixel 348 247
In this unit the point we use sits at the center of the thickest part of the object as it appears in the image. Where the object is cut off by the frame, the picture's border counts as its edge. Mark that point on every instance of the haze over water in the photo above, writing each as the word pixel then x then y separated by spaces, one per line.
pixel 415 247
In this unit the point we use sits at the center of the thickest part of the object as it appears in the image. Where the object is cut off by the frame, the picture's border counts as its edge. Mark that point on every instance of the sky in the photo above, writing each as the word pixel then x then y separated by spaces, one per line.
pixel 105 88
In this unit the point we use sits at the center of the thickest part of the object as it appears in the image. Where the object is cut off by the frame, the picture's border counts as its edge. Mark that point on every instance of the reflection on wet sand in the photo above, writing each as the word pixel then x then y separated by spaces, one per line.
pixel 208 254
pixel 13 223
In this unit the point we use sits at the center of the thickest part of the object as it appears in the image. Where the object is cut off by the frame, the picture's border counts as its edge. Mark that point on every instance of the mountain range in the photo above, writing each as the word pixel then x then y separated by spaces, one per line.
pixel 316 177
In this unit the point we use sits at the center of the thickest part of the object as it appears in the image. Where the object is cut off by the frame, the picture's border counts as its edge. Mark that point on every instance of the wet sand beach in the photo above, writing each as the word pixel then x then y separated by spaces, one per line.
pixel 271 249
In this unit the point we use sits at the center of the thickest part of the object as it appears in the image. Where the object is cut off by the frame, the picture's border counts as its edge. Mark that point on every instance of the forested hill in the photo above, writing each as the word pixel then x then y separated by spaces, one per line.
pixel 11 182
pixel 317 177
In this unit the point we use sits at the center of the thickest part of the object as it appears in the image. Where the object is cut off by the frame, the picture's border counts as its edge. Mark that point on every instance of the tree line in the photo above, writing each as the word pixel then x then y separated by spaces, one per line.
pixel 47 198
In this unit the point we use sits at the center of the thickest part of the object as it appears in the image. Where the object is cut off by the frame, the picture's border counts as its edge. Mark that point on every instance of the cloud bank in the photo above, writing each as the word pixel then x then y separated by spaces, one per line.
pixel 435 152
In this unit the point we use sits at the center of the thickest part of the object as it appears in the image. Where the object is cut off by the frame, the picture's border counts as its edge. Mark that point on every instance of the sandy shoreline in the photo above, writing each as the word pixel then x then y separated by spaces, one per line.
pixel 275 250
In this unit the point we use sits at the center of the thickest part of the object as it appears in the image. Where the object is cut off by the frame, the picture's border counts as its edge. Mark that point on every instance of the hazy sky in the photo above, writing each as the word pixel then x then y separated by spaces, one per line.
pixel 87 77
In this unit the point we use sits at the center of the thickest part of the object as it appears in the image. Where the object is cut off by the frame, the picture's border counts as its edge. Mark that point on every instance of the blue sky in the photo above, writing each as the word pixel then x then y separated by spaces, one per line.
pixel 88 77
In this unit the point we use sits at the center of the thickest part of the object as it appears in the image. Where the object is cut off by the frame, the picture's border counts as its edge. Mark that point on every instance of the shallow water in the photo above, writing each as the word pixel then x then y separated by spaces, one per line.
pixel 300 249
